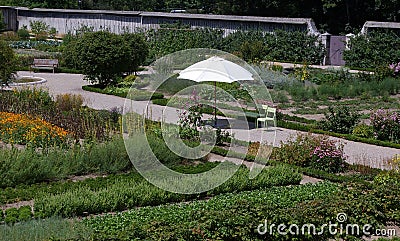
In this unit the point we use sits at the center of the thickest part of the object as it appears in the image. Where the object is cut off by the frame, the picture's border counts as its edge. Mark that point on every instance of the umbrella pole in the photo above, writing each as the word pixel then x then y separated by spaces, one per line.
pixel 215 103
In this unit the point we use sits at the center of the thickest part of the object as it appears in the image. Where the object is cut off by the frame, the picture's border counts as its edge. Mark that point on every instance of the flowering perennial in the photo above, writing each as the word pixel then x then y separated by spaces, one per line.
pixel 386 125
pixel 395 68
pixel 27 130
pixel 328 156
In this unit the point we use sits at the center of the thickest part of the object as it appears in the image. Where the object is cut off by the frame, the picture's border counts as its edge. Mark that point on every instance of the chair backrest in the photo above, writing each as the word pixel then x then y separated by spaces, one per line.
pixel 263 110
pixel 271 112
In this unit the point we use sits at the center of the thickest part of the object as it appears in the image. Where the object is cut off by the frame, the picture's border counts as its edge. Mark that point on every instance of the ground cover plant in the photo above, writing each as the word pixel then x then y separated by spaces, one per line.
pixel 217 217
pixel 133 191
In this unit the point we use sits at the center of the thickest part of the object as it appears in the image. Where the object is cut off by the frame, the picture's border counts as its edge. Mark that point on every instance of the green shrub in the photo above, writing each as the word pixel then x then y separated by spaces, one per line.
pixel 162 102
pixel 175 37
pixel 387 178
pixel 279 97
pixel 7 64
pixel 372 50
pixel 1 215
pixel 308 150
pixel 25 213
pixel 386 125
pixel 340 120
pixel 328 156
pixel 11 216
pixel 363 130
pixel 103 56
pixel 297 151
pixel 124 92
pixel 132 81
pixel 23 33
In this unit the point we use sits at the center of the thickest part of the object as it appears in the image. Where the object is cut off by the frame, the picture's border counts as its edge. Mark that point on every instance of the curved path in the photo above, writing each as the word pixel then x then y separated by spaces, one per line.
pixel 60 83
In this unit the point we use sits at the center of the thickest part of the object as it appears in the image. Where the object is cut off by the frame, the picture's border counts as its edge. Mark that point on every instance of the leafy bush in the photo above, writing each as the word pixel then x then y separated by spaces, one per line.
pixel 363 130
pixel 341 75
pixel 340 120
pixel 298 151
pixel 386 125
pixel 25 213
pixel 132 81
pixel 11 215
pixel 23 33
pixel 236 216
pixel 124 92
pixel 328 156
pixel 7 64
pixel 372 50
pixel 295 47
pixel 280 45
pixel 104 56
pixel 172 38
pixel 316 151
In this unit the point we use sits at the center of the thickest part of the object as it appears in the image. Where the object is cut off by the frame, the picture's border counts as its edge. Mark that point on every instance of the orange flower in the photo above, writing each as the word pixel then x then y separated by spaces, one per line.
pixel 24 129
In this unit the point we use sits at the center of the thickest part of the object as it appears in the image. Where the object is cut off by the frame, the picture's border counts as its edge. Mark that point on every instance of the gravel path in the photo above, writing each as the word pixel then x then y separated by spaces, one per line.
pixel 360 153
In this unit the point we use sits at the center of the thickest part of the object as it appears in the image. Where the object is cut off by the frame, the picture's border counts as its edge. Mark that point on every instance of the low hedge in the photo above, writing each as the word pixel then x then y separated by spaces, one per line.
pixel 142 96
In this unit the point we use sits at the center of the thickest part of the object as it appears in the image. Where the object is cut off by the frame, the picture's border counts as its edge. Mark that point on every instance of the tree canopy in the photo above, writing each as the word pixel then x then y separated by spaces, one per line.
pixel 104 56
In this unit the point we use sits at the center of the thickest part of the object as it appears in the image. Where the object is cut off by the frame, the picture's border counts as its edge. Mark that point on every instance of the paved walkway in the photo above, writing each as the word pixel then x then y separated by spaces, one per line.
pixel 59 83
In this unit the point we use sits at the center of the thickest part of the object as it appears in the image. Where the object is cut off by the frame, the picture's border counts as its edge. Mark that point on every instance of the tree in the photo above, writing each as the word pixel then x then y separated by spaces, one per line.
pixel 138 50
pixel 104 56
pixel 7 64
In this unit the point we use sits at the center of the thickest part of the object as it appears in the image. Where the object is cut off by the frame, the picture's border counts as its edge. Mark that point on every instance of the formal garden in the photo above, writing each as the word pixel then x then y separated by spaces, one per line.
pixel 66 173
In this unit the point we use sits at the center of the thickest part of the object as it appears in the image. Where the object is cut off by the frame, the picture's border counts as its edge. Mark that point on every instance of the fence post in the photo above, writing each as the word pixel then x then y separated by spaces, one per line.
pixel 326 41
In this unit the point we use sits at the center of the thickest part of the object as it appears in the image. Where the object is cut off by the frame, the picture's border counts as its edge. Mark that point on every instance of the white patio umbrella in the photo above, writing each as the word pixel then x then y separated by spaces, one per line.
pixel 215 69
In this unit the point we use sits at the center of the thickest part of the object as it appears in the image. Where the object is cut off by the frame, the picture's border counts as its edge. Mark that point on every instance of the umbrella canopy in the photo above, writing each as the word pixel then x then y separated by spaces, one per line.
pixel 215 69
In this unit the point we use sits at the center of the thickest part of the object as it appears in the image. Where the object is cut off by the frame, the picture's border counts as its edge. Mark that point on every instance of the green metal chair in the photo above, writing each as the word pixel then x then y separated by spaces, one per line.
pixel 270 115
